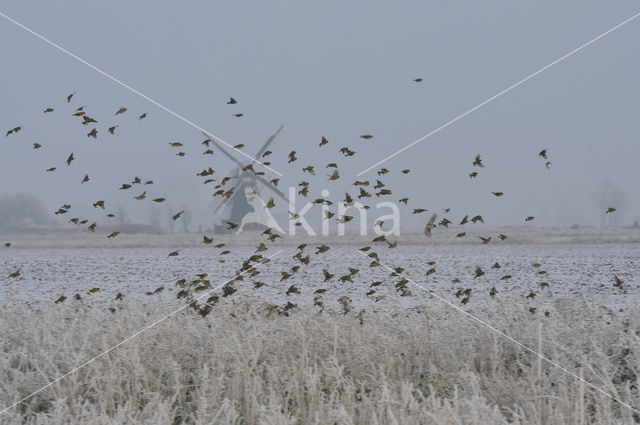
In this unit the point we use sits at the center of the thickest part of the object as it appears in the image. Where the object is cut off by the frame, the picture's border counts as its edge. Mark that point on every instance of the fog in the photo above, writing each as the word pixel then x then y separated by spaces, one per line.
pixel 330 69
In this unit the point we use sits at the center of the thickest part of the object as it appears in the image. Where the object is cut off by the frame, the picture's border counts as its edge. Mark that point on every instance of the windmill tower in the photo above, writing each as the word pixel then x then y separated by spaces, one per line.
pixel 236 206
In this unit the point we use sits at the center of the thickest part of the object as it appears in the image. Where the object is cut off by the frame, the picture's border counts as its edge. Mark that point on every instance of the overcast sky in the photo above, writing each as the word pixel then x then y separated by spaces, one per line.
pixel 335 69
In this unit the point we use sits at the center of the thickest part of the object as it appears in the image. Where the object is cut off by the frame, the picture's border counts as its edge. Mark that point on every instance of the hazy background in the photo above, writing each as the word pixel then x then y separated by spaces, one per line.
pixel 335 69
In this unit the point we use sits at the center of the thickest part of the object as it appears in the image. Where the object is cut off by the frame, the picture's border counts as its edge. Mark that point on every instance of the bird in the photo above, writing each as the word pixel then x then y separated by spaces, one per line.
pixel 177 215
pixel 159 200
pixel 321 249
pixel 502 237
pixel 460 235
pixel 497 194
pixel 86 120
pixel 238 115
pixel 232 101
pixel 366 136
pixel 610 210
pixel 292 156
pixel 207 240
pixel 324 141
pixel 231 225
pixel 346 151
pixel 430 225
pixel 464 220
pixel 93 133
pixel 477 162
pixel 617 282
pixel 113 129
pixel 543 153
pixel 85 179
pixel 142 116
pixel 70 96
pixel 61 299
pixel 530 218
pixel 444 222
pixel 121 111
pixel 477 218
pixel 113 235
pixel 70 159
pixel 485 240
pixel 99 204
pixel 37 145
pixel 141 196
pixel 174 253
pixel 327 276
pixel 472 175
pixel 417 80
pixel 270 204
pixel 479 272
pixel 46 111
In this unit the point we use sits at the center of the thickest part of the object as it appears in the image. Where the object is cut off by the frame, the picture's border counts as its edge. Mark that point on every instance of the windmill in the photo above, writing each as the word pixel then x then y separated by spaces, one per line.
pixel 237 206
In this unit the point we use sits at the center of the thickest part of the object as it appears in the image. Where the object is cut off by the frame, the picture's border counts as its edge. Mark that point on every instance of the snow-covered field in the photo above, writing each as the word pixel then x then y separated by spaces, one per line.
pixel 390 359
pixel 576 262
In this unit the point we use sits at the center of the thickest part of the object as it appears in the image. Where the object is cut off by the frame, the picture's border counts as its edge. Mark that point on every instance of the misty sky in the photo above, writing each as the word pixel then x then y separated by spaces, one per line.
pixel 335 69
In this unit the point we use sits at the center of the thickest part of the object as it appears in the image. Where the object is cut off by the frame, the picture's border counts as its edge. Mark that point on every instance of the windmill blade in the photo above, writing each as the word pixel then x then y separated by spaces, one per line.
pixel 222 204
pixel 270 140
pixel 272 187
pixel 215 204
pixel 223 150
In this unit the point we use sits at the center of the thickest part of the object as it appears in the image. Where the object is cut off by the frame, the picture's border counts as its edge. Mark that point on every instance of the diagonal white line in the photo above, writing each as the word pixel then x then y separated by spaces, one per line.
pixel 175 114
pixel 131 337
pixel 442 127
pixel 499 332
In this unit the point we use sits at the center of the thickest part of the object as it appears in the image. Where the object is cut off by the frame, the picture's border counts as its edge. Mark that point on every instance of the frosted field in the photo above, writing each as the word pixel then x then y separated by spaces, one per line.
pixel 575 265
pixel 404 360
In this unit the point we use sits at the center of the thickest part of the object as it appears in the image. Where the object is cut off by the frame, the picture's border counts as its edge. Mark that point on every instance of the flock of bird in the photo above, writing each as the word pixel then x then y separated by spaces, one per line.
pixel 190 289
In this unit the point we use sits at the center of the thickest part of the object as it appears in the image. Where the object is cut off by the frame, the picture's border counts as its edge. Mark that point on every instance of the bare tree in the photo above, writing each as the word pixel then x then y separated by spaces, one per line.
pixel 21 210
pixel 606 196
pixel 122 216
pixel 155 216
pixel 170 214
pixel 187 217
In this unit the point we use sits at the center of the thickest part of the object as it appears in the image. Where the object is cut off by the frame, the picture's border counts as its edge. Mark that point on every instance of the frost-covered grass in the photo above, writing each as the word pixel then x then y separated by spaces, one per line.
pixel 240 366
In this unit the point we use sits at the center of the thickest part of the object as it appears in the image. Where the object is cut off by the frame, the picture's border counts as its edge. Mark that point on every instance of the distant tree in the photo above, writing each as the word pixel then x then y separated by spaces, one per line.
pixel 121 215
pixel 170 213
pixel 155 216
pixel 607 195
pixel 22 210
pixel 187 217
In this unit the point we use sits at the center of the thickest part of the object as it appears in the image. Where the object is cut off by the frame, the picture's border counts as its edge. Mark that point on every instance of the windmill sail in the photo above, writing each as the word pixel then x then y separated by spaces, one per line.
pixel 236 207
